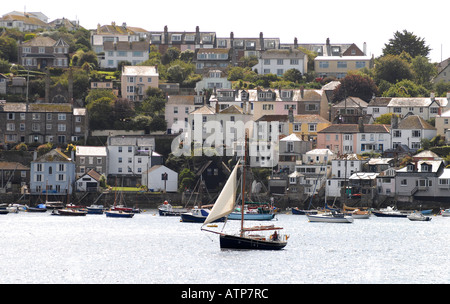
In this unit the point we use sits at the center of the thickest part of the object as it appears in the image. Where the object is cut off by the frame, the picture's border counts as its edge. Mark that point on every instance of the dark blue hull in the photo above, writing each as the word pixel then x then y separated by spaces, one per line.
pixel 303 212
pixel 189 218
pixel 94 211
pixel 381 214
pixel 119 214
pixel 237 242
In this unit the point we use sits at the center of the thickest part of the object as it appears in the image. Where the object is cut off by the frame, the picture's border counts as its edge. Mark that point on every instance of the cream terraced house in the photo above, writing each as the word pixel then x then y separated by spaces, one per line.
pixel 339 66
pixel 277 62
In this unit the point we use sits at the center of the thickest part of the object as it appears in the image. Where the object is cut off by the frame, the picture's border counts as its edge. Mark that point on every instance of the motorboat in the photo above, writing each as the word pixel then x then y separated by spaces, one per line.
pixel 95 209
pixel 197 215
pixel 167 209
pixel 330 217
pixel 69 212
pixel 390 212
pixel 119 213
pixel 418 216
pixel 445 212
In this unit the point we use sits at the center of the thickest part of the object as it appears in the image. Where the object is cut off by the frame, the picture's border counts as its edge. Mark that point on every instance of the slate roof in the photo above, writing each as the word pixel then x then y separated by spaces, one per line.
pixel 354 128
pixel 414 122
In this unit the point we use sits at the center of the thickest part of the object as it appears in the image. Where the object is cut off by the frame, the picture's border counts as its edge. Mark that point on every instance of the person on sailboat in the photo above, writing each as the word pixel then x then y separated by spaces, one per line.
pixel 274 236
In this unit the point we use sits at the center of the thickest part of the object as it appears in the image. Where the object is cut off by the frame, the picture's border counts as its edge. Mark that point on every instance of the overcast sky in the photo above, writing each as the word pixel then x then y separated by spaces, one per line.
pixel 345 21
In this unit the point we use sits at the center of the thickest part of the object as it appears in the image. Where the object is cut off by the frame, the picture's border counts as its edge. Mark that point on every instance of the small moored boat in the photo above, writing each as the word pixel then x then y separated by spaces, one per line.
pixel 418 216
pixel 330 217
pixel 118 213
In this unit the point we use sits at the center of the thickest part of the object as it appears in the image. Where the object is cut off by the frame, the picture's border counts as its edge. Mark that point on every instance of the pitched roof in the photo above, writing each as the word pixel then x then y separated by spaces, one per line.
pixel 351 102
pixel 354 128
pixel 12 166
pixel 140 70
pixel 414 122
pixel 205 110
pixel 233 109
pixel 40 41
pixel 54 155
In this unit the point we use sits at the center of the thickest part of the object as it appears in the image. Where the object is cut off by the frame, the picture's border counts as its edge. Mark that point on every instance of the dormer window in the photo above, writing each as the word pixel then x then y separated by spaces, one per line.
pixel 410 168
pixel 425 168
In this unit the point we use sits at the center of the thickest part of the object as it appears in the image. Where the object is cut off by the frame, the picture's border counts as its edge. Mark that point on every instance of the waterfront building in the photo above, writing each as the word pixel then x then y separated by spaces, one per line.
pixel 88 182
pixel 128 157
pixel 52 173
pixel 159 178
pixel 91 158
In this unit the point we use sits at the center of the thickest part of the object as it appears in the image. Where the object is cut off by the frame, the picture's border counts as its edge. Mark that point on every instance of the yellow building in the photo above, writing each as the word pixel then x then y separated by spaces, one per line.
pixel 307 126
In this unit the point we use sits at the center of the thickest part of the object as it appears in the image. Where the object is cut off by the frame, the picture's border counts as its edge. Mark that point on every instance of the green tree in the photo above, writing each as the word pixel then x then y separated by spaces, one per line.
pixel 384 119
pixel 408 42
pixel 392 69
pixel 293 75
pixel 100 113
pixel 356 85
pixel 170 55
pixel 424 70
pixel 406 88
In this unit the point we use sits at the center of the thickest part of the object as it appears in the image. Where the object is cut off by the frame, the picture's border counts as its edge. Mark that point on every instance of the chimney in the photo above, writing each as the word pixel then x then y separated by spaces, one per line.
pixel 302 91
pixel 394 121
pixel 295 42
pixel 432 96
pixel 365 49
pixel 291 115
pixel 217 107
pixel 360 125
pixel 261 41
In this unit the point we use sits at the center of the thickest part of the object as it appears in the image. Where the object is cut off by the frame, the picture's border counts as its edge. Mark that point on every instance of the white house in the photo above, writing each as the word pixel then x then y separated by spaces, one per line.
pixel 115 52
pixel 160 178
pixel 279 61
pixel 410 131
pixel 341 169
pixel 129 157
pixel 425 107
pixel 88 181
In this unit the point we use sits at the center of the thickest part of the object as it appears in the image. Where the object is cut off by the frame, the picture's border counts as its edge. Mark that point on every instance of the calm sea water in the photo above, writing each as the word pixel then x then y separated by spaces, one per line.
pixel 41 248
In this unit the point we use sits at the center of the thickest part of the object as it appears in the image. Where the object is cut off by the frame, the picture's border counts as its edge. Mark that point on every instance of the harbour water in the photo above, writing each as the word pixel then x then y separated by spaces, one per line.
pixel 150 249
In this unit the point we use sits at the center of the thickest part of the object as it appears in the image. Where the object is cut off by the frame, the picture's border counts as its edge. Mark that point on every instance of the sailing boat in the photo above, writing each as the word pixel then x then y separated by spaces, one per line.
pixel 329 215
pixel 245 239
pixel 114 212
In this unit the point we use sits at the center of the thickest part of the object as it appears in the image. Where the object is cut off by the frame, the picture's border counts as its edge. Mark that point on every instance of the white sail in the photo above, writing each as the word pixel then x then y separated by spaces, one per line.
pixel 224 204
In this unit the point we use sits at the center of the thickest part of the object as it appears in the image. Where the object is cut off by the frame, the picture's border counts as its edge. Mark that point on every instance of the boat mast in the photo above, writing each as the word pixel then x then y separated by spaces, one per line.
pixel 244 164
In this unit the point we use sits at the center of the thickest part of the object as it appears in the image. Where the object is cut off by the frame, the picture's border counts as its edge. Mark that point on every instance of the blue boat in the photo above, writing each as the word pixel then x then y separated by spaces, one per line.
pixel 251 216
pixel 95 209
pixel 197 215
pixel 114 213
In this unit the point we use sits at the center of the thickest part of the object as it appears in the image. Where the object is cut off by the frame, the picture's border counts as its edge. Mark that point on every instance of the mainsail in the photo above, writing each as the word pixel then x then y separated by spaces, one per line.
pixel 224 204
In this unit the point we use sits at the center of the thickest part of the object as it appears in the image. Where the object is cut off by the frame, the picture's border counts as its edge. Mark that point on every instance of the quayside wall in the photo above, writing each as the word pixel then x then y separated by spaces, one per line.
pixel 151 200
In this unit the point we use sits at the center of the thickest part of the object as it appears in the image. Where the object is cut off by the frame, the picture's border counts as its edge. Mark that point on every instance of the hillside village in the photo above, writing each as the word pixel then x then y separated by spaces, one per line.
pixel 82 110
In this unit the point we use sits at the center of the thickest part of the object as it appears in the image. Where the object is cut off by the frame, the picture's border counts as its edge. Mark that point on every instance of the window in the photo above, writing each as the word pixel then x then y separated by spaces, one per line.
pixel 280 61
pixel 397 133
pixel 294 61
pixel 266 61
pixel 360 64
pixel 342 65
pixel 404 182
pixel 324 64
pixel 61 116
pixel 416 133
pixel 397 110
